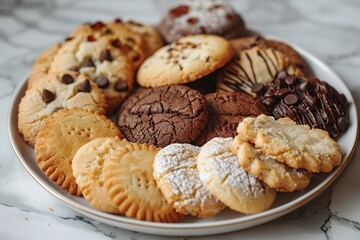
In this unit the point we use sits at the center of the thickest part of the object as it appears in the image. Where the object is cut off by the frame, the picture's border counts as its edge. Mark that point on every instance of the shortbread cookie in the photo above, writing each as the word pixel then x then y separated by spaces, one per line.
pixel 177 177
pixel 53 92
pixel 298 146
pixel 220 171
pixel 59 138
pixel 226 110
pixel 200 17
pixel 307 101
pixel 257 64
pixel 163 115
pixel 264 167
pixel 128 176
pixel 184 61
pixel 87 166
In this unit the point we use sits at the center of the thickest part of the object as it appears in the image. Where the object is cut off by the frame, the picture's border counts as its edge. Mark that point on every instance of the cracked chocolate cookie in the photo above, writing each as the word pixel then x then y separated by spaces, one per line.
pixel 226 110
pixel 185 60
pixel 201 17
pixel 163 115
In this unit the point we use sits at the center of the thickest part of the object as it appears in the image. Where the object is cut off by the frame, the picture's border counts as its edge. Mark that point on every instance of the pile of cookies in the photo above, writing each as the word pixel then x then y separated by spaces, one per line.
pixel 213 119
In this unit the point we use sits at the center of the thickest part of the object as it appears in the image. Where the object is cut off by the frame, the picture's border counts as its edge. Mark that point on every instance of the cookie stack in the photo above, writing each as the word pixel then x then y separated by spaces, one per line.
pixel 215 119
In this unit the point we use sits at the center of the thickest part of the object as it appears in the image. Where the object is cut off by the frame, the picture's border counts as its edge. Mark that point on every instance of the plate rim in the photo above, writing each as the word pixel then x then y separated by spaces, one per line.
pixel 268 214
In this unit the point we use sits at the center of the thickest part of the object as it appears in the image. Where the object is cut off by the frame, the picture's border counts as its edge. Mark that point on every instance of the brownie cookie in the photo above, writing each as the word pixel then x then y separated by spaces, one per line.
pixel 307 101
pixel 257 61
pixel 163 115
pixel 185 60
pixel 201 17
pixel 226 110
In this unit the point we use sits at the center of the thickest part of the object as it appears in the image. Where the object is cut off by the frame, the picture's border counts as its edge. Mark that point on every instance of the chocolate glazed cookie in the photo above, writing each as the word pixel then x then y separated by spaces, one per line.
pixel 306 101
pixel 226 110
pixel 163 115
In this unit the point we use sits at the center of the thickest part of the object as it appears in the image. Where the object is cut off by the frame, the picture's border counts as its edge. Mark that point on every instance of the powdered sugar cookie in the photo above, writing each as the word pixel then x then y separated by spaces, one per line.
pixel 220 171
pixel 177 177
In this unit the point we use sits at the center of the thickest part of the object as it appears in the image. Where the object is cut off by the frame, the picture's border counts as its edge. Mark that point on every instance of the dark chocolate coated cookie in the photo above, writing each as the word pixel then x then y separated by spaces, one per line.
pixel 163 115
pixel 226 110
pixel 306 101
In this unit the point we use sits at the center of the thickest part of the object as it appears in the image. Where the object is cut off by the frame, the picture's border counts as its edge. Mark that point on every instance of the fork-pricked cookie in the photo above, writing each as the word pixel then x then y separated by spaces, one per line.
pixel 184 61
pixel 87 166
pixel 264 167
pixel 298 146
pixel 59 138
pixel 129 181
pixel 177 177
pixel 220 171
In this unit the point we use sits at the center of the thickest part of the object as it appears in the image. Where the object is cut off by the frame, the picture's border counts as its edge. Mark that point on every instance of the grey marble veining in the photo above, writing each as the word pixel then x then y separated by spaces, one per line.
pixel 328 29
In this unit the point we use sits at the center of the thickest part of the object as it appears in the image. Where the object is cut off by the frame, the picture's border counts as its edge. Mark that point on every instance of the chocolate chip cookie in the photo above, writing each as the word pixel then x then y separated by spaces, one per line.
pixel 163 115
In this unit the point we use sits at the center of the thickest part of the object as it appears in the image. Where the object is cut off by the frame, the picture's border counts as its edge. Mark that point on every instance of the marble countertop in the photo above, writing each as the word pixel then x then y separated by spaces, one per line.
pixel 328 29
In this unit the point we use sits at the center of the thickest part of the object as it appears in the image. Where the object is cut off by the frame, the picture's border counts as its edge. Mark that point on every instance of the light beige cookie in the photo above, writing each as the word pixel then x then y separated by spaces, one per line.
pixel 177 177
pixel 53 92
pixel 264 167
pixel 220 171
pixel 184 61
pixel 298 146
pixel 87 166
pixel 59 138
pixel 128 177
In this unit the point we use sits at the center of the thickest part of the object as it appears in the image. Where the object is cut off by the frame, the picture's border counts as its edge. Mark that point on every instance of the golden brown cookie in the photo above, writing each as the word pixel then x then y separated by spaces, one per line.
pixel 128 176
pixel 87 166
pixel 264 167
pixel 298 146
pixel 177 177
pixel 59 138
pixel 184 61
pixel 220 171
pixel 53 92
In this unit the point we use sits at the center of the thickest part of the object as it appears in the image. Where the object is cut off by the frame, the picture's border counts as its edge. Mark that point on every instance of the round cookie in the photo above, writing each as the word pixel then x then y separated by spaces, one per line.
pixel 53 92
pixel 226 110
pixel 177 177
pixel 163 115
pixel 87 166
pixel 59 138
pixel 201 17
pixel 128 176
pixel 184 61
pixel 257 61
pixel 307 101
pixel 265 168
pixel 220 171
pixel 298 146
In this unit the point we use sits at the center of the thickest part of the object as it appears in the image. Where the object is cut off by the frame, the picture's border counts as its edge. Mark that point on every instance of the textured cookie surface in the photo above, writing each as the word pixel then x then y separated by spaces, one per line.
pixel 87 166
pixel 184 61
pixel 53 92
pixel 200 17
pixel 219 169
pixel 298 146
pixel 59 138
pixel 226 110
pixel 163 115
pixel 265 168
pixel 177 177
pixel 128 175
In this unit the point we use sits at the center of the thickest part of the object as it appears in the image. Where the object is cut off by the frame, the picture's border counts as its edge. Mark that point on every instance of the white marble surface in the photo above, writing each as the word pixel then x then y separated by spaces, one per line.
pixel 330 29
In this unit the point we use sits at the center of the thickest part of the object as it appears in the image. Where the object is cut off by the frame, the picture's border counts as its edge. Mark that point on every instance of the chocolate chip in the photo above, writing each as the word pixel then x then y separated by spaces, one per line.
pixel 121 86
pixel 84 86
pixel 130 39
pixel 342 123
pixel 269 101
pixel 48 96
pixel 290 80
pixel 97 26
pixel 281 75
pixel 108 32
pixel 258 88
pixel 102 82
pixel 136 58
pixel 68 39
pixel 179 11
pixel 135 23
pixel 118 20
pixel 105 56
pixel 303 86
pixel 192 20
pixel 282 92
pixel 67 79
pixel 116 43
pixel 88 63
pixel 91 38
pixel 291 99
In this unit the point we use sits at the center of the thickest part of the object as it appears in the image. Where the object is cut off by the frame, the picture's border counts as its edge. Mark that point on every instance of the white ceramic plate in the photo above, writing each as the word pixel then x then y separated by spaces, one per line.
pixel 226 221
